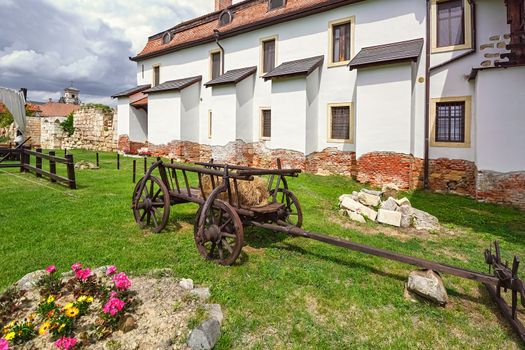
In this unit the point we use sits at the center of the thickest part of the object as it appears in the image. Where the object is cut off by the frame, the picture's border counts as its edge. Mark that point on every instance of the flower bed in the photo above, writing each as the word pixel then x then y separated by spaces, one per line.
pixel 72 311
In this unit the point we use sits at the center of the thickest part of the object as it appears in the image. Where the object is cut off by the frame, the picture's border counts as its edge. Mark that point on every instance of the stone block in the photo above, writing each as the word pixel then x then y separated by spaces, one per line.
pixel 486 46
pixel 367 212
pixel 389 204
pixel 372 192
pixel 389 217
pixel 407 214
pixel 350 204
pixel 494 38
pixel 501 45
pixel 390 190
pixel 486 63
pixel 403 201
pixel 356 217
pixel 369 199
pixel 186 283
pixel 205 336
pixel 429 285
pixel 425 221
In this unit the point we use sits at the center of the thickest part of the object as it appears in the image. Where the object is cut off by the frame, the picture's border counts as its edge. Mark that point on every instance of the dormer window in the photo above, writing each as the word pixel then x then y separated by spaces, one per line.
pixel 166 38
pixel 275 4
pixel 225 18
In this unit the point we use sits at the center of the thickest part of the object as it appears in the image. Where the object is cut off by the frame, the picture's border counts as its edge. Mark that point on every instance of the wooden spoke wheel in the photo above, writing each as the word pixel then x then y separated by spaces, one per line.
pixel 218 232
pixel 151 206
pixel 291 213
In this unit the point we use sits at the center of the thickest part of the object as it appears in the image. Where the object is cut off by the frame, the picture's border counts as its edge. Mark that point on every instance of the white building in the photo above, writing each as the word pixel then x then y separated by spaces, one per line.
pixel 414 92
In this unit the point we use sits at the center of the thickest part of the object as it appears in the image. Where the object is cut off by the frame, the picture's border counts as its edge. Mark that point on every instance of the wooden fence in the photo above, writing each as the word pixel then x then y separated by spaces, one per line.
pixel 21 158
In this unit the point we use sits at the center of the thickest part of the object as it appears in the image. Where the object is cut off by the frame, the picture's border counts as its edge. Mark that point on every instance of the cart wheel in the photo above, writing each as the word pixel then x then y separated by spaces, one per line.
pixel 292 213
pixel 151 206
pixel 219 234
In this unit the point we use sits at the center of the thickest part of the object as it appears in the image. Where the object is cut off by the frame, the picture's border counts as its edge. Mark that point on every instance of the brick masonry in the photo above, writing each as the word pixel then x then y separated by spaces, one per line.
pixel 375 169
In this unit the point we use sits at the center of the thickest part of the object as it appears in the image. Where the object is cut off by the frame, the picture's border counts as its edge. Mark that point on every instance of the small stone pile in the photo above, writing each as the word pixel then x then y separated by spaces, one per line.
pixel 85 165
pixel 383 207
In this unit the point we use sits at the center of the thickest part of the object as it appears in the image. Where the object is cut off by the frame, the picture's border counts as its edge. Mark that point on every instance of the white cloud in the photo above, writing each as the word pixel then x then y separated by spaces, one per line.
pixel 45 44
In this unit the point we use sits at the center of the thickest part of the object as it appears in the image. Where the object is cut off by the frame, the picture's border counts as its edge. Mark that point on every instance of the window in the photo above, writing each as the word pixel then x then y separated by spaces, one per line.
pixel 215 64
pixel 266 123
pixel 225 18
pixel 341 34
pixel 275 4
pixel 210 123
pixel 451 27
pixel 450 126
pixel 156 75
pixel 340 122
pixel 166 38
pixel 268 54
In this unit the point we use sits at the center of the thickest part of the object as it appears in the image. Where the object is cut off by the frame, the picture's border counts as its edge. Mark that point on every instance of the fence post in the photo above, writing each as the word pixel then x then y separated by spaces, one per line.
pixel 71 171
pixel 134 169
pixel 22 155
pixel 97 159
pixel 145 164
pixel 38 163
pixel 65 152
pixel 118 161
pixel 52 165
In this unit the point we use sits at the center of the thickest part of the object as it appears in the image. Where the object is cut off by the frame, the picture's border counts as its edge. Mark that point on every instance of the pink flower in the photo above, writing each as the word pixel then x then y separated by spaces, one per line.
pixel 51 269
pixel 4 345
pixel 121 281
pixel 76 267
pixel 111 270
pixel 66 343
pixel 83 274
pixel 113 306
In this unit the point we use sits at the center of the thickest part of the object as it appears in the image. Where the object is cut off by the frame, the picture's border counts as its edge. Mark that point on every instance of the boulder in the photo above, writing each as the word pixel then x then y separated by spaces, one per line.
pixel 389 204
pixel 214 312
pixel 371 214
pixel 186 283
pixel 350 204
pixel 403 201
pixel 205 336
pixel 85 165
pixel 369 199
pixel 424 221
pixel 343 196
pixel 407 214
pixel 30 280
pixel 372 192
pixel 202 293
pixel 356 217
pixel 390 190
pixel 389 217
pixel 428 284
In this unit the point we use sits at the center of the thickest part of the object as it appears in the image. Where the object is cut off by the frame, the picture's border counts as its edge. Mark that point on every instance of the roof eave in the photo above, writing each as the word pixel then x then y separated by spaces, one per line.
pixel 382 63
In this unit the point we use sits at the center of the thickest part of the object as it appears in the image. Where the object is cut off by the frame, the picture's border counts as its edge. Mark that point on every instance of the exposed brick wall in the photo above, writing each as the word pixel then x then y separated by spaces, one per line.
pixel 503 188
pixel 332 161
pixel 378 168
pixel 453 175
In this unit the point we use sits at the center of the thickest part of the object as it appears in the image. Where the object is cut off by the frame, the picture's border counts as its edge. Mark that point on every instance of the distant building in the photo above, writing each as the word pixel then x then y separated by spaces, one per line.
pixel 71 96
pixel 57 109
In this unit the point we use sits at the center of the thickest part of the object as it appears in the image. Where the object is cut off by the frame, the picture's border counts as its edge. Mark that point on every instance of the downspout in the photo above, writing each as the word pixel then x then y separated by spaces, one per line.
pixel 427 100
pixel 217 34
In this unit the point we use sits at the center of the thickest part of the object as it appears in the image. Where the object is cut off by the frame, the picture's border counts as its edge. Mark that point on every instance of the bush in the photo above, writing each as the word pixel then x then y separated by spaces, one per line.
pixel 6 118
pixel 99 106
pixel 67 125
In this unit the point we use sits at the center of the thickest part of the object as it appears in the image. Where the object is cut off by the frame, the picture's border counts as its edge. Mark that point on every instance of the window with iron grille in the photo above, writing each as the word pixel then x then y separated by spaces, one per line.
pixel 340 123
pixel 215 64
pixel 450 122
pixel 268 55
pixel 266 121
pixel 341 42
pixel 274 4
pixel 450 23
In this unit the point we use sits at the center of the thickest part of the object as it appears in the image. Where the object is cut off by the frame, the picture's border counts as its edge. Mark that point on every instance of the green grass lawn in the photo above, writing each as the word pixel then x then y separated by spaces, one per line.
pixel 285 293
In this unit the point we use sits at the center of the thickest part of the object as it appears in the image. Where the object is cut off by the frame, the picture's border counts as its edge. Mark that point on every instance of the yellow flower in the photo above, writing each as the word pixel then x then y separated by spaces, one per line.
pixel 61 327
pixel 72 312
pixel 32 317
pixel 89 299
pixel 11 324
pixel 10 336
pixel 44 328
pixel 68 306
pixel 82 298
pixel 50 299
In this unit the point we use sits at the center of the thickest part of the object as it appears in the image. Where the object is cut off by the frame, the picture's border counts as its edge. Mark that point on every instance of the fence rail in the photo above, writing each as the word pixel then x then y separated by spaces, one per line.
pixel 21 158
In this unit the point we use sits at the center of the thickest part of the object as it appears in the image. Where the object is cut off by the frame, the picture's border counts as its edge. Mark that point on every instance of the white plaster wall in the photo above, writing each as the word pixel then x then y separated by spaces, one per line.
pixel 289 110
pixel 223 106
pixel 383 109
pixel 123 115
pixel 138 125
pixel 164 117
pixel 501 119
pixel 244 108
pixel 190 100
pixel 312 111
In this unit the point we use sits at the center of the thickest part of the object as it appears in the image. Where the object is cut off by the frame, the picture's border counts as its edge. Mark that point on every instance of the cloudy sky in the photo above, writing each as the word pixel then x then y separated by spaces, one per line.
pixel 45 44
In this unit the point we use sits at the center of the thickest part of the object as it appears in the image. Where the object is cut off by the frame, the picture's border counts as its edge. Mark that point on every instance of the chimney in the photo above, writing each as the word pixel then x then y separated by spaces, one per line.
pixel 50 100
pixel 24 91
pixel 222 4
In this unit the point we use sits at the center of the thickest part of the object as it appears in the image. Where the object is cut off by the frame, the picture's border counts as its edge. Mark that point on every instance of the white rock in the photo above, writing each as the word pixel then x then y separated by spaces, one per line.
pixel 343 196
pixel 350 204
pixel 30 280
pixel 203 293
pixel 214 312
pixel 389 204
pixel 372 192
pixel 205 336
pixel 369 199
pixel 186 283
pixel 428 284
pixel 371 214
pixel 356 217
pixel 390 190
pixel 403 201
pixel 389 217
pixel 407 214
pixel 425 221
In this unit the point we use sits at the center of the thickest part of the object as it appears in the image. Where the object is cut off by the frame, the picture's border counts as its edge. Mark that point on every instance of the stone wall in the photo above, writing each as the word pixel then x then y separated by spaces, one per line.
pixel 502 188
pixel 33 130
pixel 51 134
pixel 94 130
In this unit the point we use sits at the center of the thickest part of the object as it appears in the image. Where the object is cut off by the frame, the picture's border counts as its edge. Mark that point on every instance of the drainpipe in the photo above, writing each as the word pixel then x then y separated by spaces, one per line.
pixel 217 34
pixel 427 100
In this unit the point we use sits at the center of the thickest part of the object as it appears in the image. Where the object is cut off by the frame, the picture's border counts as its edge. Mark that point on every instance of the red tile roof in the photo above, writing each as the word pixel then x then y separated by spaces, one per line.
pixel 55 109
pixel 30 107
pixel 247 16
